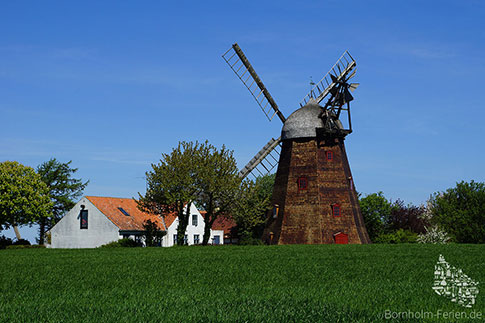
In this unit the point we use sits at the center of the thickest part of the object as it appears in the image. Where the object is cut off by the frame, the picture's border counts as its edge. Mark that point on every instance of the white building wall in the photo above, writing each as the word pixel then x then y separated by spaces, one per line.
pixel 67 233
pixel 192 230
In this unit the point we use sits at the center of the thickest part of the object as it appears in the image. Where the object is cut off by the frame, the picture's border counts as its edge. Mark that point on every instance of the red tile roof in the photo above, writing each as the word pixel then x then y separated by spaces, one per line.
pixel 109 206
pixel 225 224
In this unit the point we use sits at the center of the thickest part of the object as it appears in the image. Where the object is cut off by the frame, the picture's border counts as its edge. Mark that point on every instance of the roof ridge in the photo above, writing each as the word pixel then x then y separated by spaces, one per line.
pixel 111 197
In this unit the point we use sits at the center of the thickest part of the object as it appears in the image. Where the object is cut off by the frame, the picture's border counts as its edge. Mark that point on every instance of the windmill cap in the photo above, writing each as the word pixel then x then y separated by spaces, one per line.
pixel 303 122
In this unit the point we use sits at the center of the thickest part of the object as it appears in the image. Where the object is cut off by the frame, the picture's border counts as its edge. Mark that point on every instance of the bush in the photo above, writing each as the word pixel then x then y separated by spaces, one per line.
pixel 246 241
pixel 23 246
pixel 122 243
pixel 400 236
pixel 434 235
pixel 21 242
pixel 4 242
pixel 153 235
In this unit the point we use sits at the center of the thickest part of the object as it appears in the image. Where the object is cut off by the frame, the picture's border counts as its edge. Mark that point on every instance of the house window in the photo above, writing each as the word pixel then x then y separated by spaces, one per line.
pixel 329 155
pixel 186 239
pixel 84 219
pixel 302 183
pixel 216 240
pixel 138 239
pixel 336 210
pixel 196 239
pixel 174 239
pixel 194 220
pixel 123 211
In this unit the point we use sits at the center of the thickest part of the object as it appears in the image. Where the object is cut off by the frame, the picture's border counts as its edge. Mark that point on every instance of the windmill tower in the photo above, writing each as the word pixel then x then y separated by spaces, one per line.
pixel 314 197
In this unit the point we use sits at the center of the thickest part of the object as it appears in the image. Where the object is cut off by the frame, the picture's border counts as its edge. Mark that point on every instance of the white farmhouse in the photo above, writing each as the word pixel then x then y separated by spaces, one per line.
pixel 95 221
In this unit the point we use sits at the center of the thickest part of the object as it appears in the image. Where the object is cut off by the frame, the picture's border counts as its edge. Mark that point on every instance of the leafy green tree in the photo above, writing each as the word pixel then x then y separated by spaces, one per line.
pixel 153 234
pixel 64 190
pixel 460 211
pixel 251 207
pixel 265 185
pixel 172 185
pixel 24 196
pixel 376 210
pixel 217 183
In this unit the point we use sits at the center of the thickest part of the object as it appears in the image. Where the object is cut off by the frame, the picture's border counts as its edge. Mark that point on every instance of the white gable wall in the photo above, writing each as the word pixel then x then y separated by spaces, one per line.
pixel 67 233
pixel 192 230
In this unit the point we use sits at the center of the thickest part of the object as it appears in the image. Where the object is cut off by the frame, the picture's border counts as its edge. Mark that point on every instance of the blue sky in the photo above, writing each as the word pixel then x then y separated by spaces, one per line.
pixel 112 85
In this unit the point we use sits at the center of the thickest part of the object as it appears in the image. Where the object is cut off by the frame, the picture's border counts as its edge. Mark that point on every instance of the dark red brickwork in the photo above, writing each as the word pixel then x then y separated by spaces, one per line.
pixel 305 216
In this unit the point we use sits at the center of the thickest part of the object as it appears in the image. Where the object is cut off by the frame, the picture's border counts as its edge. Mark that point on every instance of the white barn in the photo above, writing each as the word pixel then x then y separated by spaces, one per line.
pixel 95 221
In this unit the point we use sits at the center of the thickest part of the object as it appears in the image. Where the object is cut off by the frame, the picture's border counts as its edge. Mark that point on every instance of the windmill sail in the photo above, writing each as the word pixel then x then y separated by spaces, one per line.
pixel 238 62
pixel 327 85
pixel 264 161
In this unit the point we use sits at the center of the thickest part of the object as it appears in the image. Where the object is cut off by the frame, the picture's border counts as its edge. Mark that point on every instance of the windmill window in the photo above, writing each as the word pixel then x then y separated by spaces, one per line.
pixel 84 219
pixel 302 183
pixel 329 155
pixel 336 210
pixel 275 211
pixel 123 211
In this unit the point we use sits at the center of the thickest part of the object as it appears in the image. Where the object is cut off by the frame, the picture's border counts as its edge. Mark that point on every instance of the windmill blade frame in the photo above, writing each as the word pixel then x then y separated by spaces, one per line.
pixel 264 158
pixel 344 65
pixel 240 65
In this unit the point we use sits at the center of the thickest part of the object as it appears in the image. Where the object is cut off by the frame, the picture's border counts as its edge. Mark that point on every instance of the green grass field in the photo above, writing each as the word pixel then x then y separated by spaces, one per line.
pixel 326 283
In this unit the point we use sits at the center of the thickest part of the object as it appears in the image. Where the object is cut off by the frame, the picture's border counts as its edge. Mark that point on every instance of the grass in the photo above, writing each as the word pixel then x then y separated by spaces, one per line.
pixel 298 283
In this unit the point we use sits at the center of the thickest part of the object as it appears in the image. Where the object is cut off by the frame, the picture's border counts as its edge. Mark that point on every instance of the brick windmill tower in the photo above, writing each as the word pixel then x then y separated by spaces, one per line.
pixel 314 197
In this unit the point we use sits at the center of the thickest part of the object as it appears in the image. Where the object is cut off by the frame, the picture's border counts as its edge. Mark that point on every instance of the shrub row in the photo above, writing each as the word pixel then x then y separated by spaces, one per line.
pixel 35 246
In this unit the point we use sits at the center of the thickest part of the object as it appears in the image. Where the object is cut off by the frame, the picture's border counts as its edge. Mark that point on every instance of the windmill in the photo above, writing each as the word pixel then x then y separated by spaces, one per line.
pixel 314 197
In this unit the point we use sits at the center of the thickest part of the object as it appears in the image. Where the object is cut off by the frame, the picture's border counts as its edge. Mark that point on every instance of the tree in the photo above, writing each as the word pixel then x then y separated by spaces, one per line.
pixel 460 211
pixel 407 217
pixel 265 185
pixel 171 185
pixel 251 206
pixel 217 183
pixel 376 210
pixel 24 196
pixel 153 234
pixel 63 191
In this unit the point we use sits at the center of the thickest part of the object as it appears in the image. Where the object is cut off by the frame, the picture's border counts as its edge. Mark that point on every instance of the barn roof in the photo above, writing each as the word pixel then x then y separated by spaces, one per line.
pixel 225 224
pixel 124 213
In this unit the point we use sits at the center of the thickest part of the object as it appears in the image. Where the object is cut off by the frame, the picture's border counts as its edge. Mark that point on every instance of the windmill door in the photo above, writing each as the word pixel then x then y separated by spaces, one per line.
pixel 341 238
